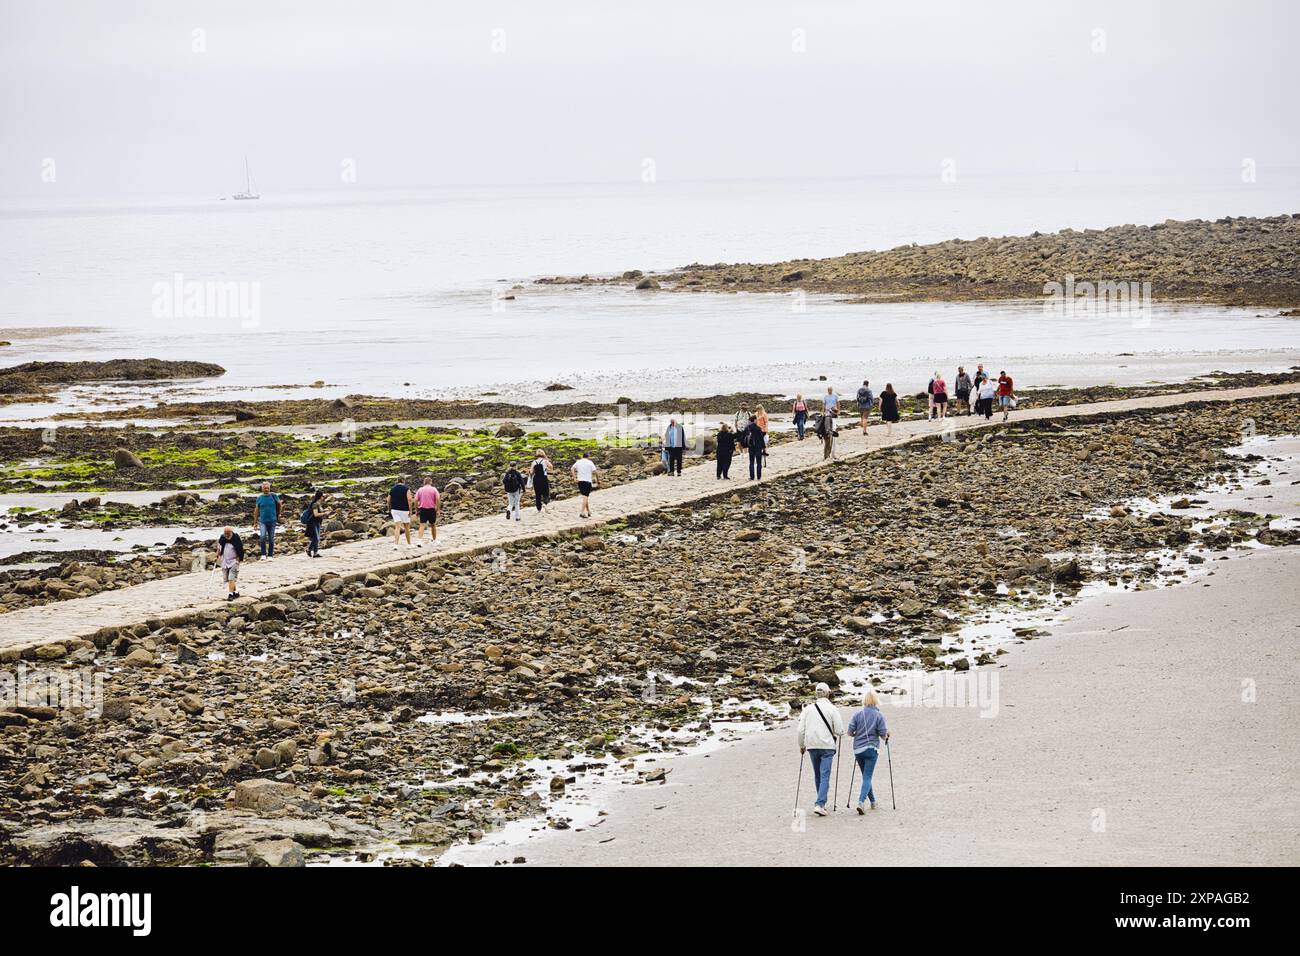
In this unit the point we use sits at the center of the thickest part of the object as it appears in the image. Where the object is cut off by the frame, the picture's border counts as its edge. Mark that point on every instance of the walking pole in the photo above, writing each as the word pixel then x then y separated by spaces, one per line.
pixel 835 803
pixel 853 768
pixel 890 757
pixel 798 786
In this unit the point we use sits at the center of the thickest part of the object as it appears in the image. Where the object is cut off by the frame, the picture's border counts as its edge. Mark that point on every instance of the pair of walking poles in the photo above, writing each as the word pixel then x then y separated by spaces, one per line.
pixel 835 801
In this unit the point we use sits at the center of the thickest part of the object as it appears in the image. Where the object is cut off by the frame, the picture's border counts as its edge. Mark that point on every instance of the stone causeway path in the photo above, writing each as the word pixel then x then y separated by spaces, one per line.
pixel 180 597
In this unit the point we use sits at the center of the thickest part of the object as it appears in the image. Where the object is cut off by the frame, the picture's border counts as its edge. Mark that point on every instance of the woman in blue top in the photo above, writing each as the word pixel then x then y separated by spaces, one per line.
pixel 867 727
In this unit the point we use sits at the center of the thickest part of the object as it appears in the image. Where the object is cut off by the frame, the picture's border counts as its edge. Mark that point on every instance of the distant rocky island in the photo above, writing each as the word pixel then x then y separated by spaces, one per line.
pixel 33 381
pixel 1230 261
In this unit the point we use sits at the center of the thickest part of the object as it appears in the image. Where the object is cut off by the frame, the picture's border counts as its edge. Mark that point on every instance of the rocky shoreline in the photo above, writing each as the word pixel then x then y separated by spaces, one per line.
pixel 356 467
pixel 274 729
pixel 1239 261
pixel 36 381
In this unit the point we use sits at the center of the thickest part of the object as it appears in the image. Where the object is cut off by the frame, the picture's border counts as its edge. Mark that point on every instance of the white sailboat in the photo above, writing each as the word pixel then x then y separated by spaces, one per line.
pixel 249 185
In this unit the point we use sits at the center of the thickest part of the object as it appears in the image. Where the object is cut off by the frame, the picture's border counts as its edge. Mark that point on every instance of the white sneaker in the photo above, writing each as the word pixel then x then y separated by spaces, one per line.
pixel 820 811
pixel 873 806
pixel 861 804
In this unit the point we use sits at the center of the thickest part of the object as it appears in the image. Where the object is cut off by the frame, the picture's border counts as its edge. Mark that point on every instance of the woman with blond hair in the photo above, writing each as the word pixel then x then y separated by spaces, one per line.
pixel 760 416
pixel 800 414
pixel 867 727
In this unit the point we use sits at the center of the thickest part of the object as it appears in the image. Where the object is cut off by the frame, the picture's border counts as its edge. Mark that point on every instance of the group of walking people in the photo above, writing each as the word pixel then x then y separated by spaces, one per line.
pixel 748 430
pixel 974 394
pixel 821 730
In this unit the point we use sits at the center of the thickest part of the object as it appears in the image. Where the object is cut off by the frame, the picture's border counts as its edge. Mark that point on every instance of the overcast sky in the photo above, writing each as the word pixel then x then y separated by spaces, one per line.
pixel 127 97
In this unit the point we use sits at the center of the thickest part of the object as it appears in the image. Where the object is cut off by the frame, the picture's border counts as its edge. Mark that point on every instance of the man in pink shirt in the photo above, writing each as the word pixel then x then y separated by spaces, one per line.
pixel 426 500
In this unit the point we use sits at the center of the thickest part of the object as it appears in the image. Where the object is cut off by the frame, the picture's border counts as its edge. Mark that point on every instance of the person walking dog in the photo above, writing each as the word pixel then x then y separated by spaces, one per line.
pixel 820 729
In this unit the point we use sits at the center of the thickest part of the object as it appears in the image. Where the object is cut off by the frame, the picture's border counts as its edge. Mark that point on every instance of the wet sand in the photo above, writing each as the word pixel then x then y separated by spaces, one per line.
pixel 1126 737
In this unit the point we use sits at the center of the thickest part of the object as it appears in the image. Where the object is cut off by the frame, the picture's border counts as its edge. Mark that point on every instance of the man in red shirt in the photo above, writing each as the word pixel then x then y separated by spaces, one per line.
pixel 1006 393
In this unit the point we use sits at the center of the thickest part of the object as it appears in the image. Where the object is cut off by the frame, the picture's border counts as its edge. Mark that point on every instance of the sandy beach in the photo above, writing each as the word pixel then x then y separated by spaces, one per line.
pixel 1124 738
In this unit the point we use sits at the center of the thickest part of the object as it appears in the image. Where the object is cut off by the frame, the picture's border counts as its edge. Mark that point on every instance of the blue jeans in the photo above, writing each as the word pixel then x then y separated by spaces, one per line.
pixel 800 423
pixel 821 764
pixel 755 462
pixel 266 538
pixel 313 538
pixel 866 765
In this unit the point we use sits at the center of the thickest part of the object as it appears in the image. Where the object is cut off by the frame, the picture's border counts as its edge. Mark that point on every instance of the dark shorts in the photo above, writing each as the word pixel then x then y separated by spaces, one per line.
pixel 941 398
pixel 428 515
pixel 584 487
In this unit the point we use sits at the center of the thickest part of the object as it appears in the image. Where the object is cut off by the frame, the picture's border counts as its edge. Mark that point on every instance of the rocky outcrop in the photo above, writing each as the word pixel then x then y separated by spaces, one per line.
pixel 1237 261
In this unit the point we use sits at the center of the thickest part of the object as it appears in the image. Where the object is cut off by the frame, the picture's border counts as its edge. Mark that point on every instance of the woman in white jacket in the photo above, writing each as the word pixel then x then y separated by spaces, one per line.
pixel 820 727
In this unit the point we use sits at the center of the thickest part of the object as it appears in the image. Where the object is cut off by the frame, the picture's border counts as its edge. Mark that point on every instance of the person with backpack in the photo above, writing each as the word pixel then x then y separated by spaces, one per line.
pixel 312 516
pixel 825 430
pixel 230 552
pixel 1006 394
pixel 726 442
pixel 868 729
pixel 539 476
pixel 800 415
pixel 426 503
pixel 820 728
pixel 753 442
pixel 940 396
pixel 866 402
pixel 674 447
pixel 964 387
pixel 514 482
pixel 889 408
pixel 399 508
pixel 760 417
pixel 740 419
pixel 266 515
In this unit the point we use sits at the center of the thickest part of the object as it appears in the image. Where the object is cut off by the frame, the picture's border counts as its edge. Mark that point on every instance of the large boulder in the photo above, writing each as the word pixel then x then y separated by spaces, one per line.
pixel 824 674
pixel 124 458
pixel 265 796
pixel 275 853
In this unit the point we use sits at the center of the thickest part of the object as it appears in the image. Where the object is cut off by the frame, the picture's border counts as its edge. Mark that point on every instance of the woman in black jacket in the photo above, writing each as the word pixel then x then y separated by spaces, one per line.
pixel 312 517
pixel 755 442
pixel 726 449
pixel 889 407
